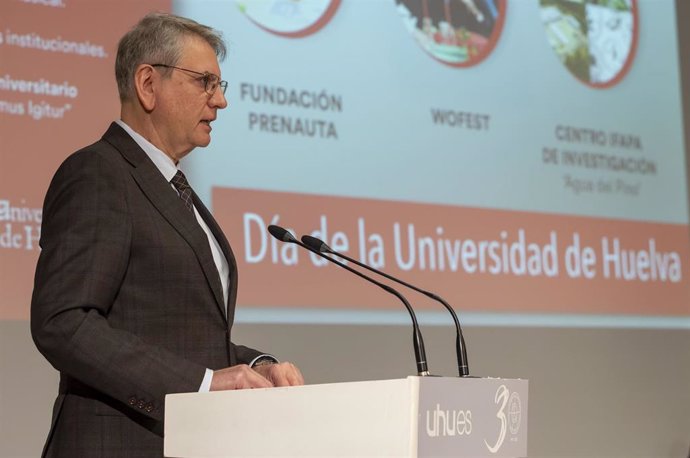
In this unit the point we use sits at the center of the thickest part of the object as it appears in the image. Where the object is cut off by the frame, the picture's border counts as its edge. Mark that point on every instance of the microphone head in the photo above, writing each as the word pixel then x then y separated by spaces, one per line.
pixel 281 234
pixel 316 244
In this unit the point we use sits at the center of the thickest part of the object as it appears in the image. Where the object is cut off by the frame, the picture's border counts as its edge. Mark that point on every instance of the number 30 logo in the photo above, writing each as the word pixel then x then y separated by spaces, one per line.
pixel 501 399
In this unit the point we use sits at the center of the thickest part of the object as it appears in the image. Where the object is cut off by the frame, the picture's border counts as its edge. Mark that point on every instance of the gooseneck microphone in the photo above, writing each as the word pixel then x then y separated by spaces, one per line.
pixel 463 370
pixel 417 341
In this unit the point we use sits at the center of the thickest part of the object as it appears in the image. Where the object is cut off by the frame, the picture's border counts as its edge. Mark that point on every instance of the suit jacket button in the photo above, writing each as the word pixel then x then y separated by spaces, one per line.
pixel 149 407
pixel 132 401
pixel 141 404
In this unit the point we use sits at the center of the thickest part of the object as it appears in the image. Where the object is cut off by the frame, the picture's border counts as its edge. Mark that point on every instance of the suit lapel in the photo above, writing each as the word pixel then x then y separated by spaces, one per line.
pixel 168 203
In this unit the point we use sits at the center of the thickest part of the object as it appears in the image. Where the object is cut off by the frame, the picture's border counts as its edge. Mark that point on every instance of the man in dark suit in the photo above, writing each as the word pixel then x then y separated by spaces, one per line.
pixel 135 286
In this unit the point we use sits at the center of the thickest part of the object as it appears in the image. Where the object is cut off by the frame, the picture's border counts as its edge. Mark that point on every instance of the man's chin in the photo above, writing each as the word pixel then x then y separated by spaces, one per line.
pixel 203 142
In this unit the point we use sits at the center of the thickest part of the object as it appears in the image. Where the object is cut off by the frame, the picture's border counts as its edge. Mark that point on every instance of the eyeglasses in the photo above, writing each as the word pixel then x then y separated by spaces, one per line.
pixel 211 81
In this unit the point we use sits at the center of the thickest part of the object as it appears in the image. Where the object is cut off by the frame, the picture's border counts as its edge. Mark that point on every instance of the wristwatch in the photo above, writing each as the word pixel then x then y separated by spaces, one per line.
pixel 264 360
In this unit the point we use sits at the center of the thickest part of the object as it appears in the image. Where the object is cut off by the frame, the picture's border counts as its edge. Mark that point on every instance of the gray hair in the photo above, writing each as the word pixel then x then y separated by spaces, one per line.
pixel 158 39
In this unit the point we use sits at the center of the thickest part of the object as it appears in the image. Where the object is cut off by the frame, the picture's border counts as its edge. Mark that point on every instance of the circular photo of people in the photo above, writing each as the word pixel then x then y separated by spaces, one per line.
pixel 594 39
pixel 289 18
pixel 459 33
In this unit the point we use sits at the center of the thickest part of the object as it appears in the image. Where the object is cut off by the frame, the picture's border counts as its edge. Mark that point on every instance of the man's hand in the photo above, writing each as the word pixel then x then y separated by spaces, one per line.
pixel 281 374
pixel 238 378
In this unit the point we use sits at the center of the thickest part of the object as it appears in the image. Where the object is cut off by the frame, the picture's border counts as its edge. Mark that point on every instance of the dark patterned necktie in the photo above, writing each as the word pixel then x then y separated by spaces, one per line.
pixel 182 186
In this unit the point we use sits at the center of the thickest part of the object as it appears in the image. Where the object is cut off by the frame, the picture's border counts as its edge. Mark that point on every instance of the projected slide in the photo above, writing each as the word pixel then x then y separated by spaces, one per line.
pixel 512 158
pixel 509 186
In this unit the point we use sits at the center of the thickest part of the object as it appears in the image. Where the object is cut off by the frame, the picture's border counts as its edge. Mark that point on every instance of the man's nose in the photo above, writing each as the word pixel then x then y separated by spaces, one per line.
pixel 218 99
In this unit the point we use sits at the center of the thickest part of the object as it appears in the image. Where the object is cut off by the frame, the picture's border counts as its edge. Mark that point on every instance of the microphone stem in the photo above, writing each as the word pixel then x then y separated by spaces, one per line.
pixel 460 350
pixel 417 340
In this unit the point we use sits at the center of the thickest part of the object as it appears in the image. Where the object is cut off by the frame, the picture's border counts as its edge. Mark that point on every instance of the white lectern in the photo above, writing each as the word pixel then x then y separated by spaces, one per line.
pixel 416 416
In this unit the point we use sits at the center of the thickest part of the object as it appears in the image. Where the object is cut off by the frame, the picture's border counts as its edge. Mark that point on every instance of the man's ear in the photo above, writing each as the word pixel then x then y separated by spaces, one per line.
pixel 145 85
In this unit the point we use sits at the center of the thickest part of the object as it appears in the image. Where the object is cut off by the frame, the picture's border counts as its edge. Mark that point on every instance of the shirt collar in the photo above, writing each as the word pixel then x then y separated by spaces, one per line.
pixel 162 161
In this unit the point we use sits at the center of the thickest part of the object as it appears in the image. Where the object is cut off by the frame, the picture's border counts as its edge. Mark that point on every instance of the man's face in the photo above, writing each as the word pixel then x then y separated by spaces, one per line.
pixel 184 111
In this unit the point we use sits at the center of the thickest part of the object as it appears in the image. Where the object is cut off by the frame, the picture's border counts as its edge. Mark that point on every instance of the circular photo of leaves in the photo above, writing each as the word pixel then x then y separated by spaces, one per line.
pixel 459 33
pixel 595 39
pixel 289 18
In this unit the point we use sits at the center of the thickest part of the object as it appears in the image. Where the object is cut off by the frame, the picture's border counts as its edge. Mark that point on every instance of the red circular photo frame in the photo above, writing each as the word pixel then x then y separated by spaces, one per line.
pixel 491 44
pixel 628 60
pixel 313 28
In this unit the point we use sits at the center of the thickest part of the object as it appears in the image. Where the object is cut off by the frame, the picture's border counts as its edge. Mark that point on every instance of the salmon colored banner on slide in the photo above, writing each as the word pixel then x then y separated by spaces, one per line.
pixel 477 259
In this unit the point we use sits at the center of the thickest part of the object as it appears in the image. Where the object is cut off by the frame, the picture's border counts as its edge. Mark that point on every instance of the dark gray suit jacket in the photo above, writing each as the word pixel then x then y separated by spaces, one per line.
pixel 127 300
